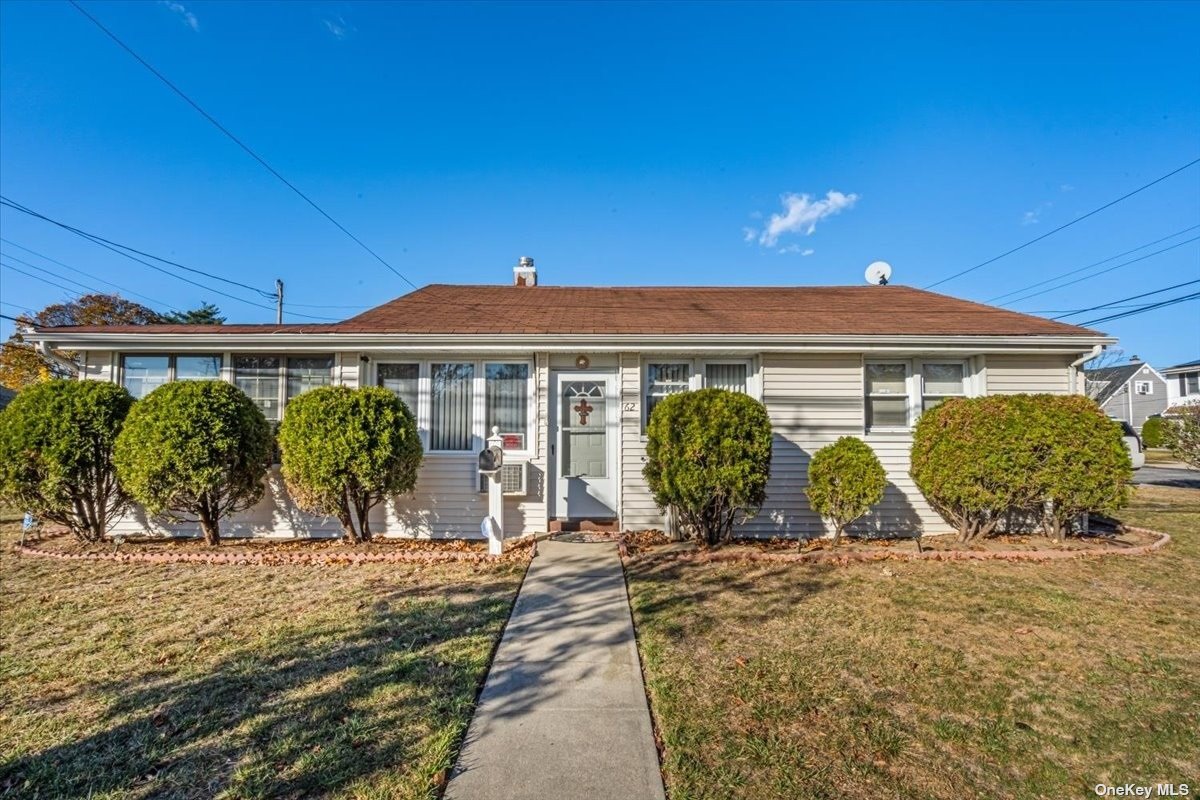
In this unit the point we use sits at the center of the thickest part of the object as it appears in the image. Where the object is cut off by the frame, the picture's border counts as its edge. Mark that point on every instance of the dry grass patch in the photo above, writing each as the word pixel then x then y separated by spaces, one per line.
pixel 919 679
pixel 132 681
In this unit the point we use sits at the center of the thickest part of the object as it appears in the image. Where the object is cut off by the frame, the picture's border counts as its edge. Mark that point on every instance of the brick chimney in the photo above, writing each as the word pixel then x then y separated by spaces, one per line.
pixel 524 273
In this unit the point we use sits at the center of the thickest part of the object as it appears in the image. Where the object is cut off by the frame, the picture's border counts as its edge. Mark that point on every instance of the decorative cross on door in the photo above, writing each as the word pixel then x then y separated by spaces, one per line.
pixel 583 409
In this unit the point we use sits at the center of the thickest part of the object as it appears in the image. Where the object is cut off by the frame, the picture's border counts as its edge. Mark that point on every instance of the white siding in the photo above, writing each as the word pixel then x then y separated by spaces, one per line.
pixel 637 505
pixel 1035 373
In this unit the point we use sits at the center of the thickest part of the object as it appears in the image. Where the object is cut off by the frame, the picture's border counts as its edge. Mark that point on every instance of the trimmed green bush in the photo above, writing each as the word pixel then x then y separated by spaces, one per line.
pixel 1181 433
pixel 1152 432
pixel 1084 464
pixel 970 461
pixel 56 454
pixel 708 457
pixel 983 460
pixel 346 450
pixel 844 480
pixel 198 448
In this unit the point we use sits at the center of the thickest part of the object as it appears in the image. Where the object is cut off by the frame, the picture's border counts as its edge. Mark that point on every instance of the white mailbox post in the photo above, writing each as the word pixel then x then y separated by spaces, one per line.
pixel 490 461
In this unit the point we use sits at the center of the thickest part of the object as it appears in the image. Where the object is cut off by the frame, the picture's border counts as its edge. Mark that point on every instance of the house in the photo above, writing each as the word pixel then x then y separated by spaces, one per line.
pixel 1183 384
pixel 570 374
pixel 6 396
pixel 1131 392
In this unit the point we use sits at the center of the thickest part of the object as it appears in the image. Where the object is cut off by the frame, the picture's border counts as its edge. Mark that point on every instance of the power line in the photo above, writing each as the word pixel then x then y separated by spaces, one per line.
pixel 1118 303
pixel 238 142
pixel 52 274
pixel 39 278
pixel 1101 272
pixel 1145 308
pixel 121 249
pixel 1089 266
pixel 1064 226
pixel 7 201
pixel 81 272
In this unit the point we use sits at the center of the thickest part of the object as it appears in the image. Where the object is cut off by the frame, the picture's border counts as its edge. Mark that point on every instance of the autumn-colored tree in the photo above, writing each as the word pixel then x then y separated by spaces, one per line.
pixel 21 365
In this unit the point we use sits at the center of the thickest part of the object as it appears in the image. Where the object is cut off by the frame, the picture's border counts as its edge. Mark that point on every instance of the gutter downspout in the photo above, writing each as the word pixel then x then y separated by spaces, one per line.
pixel 1096 350
pixel 45 352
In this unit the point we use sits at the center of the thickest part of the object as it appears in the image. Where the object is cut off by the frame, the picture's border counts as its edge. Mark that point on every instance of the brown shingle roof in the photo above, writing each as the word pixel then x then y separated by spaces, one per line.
pixel 828 310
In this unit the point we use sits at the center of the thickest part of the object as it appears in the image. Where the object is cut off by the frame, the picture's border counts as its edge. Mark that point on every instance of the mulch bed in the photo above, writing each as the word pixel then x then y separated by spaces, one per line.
pixel 61 545
pixel 1124 540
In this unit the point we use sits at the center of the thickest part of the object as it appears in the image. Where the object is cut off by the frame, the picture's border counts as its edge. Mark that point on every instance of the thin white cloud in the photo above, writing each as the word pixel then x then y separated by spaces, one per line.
pixel 1035 216
pixel 795 248
pixel 338 27
pixel 1066 187
pixel 800 216
pixel 180 9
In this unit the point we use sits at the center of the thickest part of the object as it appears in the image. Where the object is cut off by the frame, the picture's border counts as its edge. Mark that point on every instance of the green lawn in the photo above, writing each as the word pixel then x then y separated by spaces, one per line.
pixel 132 681
pixel 939 680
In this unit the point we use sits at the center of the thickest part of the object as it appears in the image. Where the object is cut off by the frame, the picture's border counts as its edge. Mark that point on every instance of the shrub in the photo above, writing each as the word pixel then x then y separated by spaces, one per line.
pixel 345 450
pixel 1084 464
pixel 971 460
pixel 844 480
pixel 982 460
pixel 198 448
pixel 56 454
pixel 1181 433
pixel 708 457
pixel 1152 432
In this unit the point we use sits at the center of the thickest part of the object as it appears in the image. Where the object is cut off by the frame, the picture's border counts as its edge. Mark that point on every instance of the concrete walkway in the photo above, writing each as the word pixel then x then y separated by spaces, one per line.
pixel 563 713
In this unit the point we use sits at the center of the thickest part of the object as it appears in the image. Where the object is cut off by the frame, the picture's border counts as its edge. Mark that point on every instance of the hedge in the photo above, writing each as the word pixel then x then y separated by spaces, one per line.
pixel 844 480
pixel 982 461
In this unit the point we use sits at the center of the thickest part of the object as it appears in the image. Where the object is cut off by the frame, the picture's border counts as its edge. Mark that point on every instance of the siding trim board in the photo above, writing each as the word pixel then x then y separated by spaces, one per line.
pixel 812 397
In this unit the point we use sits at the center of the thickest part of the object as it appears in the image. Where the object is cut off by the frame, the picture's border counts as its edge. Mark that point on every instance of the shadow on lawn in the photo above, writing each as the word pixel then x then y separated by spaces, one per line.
pixel 302 715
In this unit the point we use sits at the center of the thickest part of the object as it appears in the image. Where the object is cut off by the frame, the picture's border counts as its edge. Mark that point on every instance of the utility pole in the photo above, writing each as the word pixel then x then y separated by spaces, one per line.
pixel 278 302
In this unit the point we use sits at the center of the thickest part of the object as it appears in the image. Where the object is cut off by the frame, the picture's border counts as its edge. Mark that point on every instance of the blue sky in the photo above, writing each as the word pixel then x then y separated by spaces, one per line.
pixel 615 143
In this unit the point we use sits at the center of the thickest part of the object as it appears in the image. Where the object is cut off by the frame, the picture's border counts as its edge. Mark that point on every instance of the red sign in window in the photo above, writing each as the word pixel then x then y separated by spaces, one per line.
pixel 513 441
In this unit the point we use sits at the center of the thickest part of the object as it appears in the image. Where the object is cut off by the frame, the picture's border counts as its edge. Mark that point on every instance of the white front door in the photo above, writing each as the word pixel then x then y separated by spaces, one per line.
pixel 585 445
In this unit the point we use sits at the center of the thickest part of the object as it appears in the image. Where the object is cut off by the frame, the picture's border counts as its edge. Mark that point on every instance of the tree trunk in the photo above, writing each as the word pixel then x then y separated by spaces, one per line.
pixel 349 533
pixel 837 534
pixel 210 526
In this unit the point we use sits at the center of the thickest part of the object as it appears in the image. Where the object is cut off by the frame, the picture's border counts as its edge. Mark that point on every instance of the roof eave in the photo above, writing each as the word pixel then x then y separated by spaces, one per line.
pixel 1065 343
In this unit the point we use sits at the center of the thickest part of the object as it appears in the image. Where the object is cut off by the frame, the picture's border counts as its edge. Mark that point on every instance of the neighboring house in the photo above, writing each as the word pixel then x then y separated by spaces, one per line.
pixel 1132 392
pixel 6 396
pixel 569 375
pixel 1183 384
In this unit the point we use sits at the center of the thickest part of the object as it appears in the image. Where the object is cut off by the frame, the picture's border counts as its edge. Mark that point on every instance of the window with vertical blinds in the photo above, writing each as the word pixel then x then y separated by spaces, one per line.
pixel 506 391
pixel 403 380
pixel 731 377
pixel 451 398
pixel 663 380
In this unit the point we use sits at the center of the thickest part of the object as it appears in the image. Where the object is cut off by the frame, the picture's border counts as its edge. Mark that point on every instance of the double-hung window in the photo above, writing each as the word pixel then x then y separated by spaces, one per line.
pixel 665 379
pixel 403 380
pixel 1189 383
pixel 887 394
pixel 143 374
pixel 940 382
pixel 452 398
pixel 307 373
pixel 198 368
pixel 259 378
pixel 506 403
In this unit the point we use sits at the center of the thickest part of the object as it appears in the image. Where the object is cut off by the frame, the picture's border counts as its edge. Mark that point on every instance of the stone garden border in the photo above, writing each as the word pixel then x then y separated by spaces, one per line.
pixel 861 556
pixel 515 556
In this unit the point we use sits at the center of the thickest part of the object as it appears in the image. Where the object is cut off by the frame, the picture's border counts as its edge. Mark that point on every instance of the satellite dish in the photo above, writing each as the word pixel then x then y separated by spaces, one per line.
pixel 878 273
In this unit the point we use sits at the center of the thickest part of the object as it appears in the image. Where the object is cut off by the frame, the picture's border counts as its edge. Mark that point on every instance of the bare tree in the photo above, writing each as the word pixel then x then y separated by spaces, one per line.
pixel 1109 358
